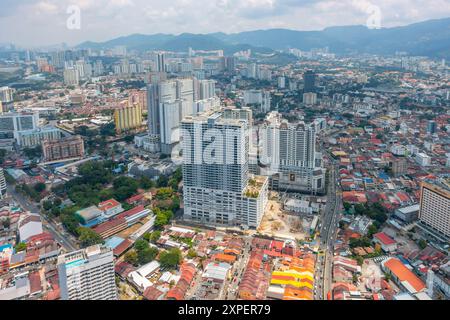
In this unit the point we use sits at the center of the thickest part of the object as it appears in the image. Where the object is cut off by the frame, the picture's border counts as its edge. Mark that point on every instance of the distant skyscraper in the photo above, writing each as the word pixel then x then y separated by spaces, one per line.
pixel 431 127
pixel 309 98
pixel 87 274
pixel 207 89
pixel 309 79
pixel 281 82
pixel 160 62
pixel 230 64
pixel 58 59
pixel 168 102
pixel 71 77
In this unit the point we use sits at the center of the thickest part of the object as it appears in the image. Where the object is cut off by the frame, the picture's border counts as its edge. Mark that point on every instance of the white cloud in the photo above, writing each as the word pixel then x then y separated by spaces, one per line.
pixel 106 19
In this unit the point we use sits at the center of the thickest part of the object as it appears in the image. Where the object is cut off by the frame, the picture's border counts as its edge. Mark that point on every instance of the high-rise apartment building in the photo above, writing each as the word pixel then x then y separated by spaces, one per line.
pixel 310 98
pixel 160 62
pixel 168 102
pixel 309 78
pixel 2 184
pixel 217 186
pixel 87 274
pixel 66 148
pixel 288 153
pixel 58 59
pixel 71 77
pixel 6 94
pixel 435 207
pixel 128 117
pixel 207 89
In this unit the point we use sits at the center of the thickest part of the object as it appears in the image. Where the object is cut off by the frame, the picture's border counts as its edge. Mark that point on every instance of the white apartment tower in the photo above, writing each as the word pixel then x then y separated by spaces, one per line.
pixel 435 208
pixel 288 154
pixel 71 77
pixel 217 186
pixel 87 274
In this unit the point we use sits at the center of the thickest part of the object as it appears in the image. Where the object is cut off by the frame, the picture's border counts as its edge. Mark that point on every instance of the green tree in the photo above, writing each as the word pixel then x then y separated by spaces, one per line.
pixel 55 211
pixel 191 254
pixel 155 235
pixel 162 181
pixel 39 187
pixel 21 246
pixel 88 237
pixel 422 244
pixel 146 183
pixel 70 222
pixel 170 259
pixel 147 255
pixel 6 223
pixel 47 205
pixel 347 206
pixel 131 257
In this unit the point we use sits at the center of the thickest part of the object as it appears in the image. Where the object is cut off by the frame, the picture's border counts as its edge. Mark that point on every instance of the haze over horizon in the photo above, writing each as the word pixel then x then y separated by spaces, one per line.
pixel 33 23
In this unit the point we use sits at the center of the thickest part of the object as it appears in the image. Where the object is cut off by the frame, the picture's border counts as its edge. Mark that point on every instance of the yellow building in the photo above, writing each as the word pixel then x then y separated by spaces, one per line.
pixel 128 117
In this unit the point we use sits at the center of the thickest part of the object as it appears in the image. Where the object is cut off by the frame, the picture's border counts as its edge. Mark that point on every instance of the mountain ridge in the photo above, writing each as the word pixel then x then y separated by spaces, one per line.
pixel 428 38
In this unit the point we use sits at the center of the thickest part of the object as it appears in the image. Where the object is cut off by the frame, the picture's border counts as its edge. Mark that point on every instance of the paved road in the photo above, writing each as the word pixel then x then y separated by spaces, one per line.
pixel 26 204
pixel 328 231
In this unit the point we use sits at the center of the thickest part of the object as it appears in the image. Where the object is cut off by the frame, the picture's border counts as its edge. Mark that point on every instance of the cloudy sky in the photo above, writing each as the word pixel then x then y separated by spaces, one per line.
pixel 45 22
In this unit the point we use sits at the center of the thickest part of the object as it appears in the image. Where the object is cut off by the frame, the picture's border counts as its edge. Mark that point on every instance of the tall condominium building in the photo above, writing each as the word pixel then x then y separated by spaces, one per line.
pixel 258 97
pixel 207 89
pixel 2 184
pixel 128 117
pixel 168 102
pixel 71 77
pixel 160 62
pixel 288 154
pixel 310 98
pixel 6 94
pixel 217 186
pixel 309 78
pixel 87 274
pixel 230 64
pixel 435 207
pixel 66 148
pixel 58 59
pixel 281 82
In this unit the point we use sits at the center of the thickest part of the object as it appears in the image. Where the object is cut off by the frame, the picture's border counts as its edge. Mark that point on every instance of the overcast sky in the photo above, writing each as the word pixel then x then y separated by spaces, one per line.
pixel 44 22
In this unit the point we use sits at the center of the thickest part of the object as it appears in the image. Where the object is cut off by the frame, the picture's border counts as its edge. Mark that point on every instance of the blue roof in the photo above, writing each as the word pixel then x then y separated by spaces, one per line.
pixel 383 175
pixel 5 246
pixel 113 242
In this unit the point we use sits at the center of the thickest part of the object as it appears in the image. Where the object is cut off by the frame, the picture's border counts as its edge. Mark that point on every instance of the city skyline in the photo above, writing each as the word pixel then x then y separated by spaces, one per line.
pixel 46 23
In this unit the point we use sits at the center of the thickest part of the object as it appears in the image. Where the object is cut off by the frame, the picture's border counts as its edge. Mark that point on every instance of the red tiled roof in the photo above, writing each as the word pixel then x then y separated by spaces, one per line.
pixel 134 198
pixel 122 247
pixel 108 204
pixel 384 238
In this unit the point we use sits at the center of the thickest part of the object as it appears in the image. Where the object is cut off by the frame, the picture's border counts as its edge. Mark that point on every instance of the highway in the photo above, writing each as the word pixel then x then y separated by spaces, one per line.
pixel 63 239
pixel 328 230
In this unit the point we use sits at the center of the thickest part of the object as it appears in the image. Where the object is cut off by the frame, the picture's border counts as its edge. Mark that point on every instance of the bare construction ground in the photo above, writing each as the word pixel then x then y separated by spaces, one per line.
pixel 278 224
